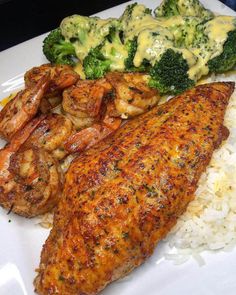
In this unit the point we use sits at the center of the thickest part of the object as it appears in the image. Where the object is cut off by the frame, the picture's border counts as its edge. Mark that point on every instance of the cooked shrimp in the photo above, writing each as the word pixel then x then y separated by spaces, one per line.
pixel 62 76
pixel 133 96
pixel 30 178
pixel 51 134
pixel 82 102
pixel 22 108
pixel 89 136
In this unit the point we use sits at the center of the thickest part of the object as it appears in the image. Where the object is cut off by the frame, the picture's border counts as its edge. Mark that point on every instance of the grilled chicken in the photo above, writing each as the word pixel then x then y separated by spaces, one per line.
pixel 124 195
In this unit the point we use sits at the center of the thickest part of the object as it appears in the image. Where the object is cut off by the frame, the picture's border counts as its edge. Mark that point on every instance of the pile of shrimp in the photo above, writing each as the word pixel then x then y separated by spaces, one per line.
pixel 55 116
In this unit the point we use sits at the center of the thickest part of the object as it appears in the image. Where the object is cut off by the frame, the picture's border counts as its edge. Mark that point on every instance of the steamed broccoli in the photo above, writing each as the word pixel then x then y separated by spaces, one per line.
pixel 135 16
pixel 227 59
pixel 167 8
pixel 176 48
pixel 57 50
pixel 133 12
pixel 112 54
pixel 109 55
pixel 185 8
pixel 170 73
pixel 127 14
pixel 86 32
pixel 73 38
pixel 82 38
pixel 168 69
pixel 95 64
pixel 131 46
pixel 185 29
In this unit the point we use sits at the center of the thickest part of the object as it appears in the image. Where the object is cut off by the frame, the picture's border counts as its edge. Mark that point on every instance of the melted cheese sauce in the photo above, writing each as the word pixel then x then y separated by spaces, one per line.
pixel 217 30
pixel 117 54
pixel 151 44
pixel 79 70
pixel 154 37
pixel 186 7
pixel 88 32
pixel 138 22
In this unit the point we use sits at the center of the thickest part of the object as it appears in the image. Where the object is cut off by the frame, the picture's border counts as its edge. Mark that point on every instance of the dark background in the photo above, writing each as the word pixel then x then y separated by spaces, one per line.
pixel 21 20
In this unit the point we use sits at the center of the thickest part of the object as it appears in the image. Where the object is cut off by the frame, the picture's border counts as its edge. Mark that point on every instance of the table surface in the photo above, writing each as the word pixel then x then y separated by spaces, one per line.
pixel 21 20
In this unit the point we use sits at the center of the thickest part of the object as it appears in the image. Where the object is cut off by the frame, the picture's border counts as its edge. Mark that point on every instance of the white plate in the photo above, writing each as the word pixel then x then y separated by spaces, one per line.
pixel 21 240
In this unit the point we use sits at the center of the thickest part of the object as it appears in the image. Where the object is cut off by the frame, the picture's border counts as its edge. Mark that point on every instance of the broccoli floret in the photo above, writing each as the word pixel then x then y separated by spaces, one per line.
pixel 57 50
pixel 167 8
pixel 185 29
pixel 134 10
pixel 95 64
pixel 132 48
pixel 129 10
pixel 135 15
pixel 103 58
pixel 185 8
pixel 170 73
pixel 115 35
pixel 85 31
pixel 129 64
pixel 227 59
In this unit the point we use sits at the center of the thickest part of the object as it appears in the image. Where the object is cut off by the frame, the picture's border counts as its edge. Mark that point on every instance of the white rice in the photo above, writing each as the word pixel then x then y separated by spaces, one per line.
pixel 45 220
pixel 210 220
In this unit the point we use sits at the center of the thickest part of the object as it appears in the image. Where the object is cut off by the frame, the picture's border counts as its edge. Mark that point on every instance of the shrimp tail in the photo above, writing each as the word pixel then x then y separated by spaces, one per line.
pixel 88 137
pixel 23 134
pixel 35 95
pixel 22 108
pixel 17 140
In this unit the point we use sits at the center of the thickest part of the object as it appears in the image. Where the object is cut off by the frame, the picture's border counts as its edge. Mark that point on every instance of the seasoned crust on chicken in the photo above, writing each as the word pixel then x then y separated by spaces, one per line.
pixel 122 196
